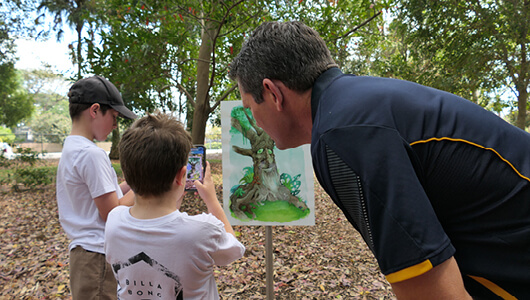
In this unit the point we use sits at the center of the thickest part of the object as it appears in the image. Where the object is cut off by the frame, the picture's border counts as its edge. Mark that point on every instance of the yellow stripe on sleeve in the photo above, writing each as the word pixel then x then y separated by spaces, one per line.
pixel 497 290
pixel 409 272
pixel 473 144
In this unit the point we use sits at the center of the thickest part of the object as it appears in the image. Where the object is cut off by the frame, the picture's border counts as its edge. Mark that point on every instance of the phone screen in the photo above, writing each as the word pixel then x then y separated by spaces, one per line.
pixel 196 165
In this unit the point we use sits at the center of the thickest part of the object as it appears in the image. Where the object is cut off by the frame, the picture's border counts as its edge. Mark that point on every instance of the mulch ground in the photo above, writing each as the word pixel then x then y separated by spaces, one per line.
pixel 325 261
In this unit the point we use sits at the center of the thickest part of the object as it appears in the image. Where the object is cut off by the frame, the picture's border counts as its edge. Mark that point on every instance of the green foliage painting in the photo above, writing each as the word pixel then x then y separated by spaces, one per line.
pixel 258 193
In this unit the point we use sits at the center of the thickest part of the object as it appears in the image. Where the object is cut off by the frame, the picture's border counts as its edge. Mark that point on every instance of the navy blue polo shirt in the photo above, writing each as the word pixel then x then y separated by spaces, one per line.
pixel 424 175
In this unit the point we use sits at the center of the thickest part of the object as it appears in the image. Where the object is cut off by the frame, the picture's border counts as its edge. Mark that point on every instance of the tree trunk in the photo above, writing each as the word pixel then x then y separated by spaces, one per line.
pixel 79 59
pixel 202 103
pixel 189 115
pixel 114 151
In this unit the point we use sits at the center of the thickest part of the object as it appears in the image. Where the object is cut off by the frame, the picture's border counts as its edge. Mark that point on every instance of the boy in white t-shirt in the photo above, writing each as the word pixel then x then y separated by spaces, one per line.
pixel 157 251
pixel 87 185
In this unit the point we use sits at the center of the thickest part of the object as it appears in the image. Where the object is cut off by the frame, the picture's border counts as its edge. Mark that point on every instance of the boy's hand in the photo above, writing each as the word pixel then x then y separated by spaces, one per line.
pixel 207 192
pixel 206 189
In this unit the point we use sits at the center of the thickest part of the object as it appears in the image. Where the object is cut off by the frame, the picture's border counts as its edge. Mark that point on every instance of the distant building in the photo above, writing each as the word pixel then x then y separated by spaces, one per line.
pixel 24 134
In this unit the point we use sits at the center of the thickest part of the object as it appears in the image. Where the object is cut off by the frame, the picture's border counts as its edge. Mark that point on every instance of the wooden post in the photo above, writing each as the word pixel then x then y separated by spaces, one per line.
pixel 269 263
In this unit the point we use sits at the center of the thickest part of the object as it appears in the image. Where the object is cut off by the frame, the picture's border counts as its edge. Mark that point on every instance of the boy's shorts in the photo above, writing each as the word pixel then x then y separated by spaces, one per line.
pixel 91 276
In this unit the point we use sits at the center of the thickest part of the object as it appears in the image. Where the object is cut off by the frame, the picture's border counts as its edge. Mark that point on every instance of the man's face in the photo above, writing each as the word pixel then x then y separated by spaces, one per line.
pixel 255 108
pixel 266 117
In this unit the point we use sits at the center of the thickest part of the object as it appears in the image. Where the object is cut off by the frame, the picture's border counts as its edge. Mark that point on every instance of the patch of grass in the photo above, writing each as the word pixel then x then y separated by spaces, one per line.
pixel 52 170
pixel 4 174
pixel 26 169
pixel 277 211
pixel 117 168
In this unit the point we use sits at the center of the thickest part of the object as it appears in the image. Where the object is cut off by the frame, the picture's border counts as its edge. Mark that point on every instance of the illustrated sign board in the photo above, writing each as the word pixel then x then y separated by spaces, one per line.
pixel 263 185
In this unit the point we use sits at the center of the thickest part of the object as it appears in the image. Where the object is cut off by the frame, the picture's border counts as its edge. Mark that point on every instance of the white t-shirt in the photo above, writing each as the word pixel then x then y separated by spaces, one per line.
pixel 168 257
pixel 84 173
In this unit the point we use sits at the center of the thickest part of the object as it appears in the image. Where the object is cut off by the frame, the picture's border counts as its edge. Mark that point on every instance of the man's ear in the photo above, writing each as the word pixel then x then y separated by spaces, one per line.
pixel 273 90
pixel 180 179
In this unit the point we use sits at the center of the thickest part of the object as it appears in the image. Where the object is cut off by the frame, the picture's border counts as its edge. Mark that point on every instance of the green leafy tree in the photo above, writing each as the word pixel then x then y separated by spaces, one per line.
pixel 391 55
pixel 15 103
pixel 51 120
pixel 173 55
pixel 74 13
pixel 7 44
pixel 6 135
pixel 472 48
pixel 14 24
pixel 342 24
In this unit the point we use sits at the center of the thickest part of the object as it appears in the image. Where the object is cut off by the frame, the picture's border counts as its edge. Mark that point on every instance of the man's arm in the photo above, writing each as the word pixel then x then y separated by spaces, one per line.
pixel 442 282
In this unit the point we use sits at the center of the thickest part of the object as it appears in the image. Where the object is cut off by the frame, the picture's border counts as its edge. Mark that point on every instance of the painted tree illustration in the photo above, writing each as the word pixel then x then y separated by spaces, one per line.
pixel 265 184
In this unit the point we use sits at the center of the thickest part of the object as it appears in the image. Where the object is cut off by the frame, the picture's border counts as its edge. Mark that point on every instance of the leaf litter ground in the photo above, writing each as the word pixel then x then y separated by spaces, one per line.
pixel 325 261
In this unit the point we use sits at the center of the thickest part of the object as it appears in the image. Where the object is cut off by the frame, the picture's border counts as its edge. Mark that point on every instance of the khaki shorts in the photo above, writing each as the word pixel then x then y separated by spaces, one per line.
pixel 91 276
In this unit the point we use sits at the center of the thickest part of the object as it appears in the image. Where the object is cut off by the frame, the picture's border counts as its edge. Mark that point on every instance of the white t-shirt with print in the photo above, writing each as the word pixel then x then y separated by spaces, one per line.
pixel 168 257
pixel 84 173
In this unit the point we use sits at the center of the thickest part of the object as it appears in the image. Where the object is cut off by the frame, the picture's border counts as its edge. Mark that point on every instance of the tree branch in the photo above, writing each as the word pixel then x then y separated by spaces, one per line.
pixel 242 151
pixel 358 26
pixel 249 134
pixel 223 96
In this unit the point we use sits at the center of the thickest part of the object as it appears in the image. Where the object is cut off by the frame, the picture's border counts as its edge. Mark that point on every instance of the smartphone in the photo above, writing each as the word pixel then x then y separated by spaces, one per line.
pixel 196 166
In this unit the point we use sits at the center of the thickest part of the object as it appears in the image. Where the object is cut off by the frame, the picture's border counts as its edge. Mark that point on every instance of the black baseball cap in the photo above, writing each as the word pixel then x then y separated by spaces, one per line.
pixel 97 89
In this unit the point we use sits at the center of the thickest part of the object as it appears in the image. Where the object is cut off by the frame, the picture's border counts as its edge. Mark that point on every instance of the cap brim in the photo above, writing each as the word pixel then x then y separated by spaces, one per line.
pixel 125 112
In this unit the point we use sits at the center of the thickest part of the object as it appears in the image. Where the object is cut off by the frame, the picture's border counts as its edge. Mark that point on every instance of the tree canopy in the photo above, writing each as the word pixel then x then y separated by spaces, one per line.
pixel 74 13
pixel 50 120
pixel 471 48
pixel 173 55
pixel 15 103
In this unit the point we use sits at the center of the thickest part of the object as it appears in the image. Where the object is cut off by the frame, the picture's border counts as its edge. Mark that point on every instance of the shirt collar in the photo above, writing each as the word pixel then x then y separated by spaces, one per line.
pixel 320 85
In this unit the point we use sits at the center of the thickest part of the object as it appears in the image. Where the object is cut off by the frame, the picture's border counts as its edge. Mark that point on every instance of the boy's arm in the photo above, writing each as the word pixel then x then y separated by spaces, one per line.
pixel 127 199
pixel 125 188
pixel 105 203
pixel 207 192
pixel 128 195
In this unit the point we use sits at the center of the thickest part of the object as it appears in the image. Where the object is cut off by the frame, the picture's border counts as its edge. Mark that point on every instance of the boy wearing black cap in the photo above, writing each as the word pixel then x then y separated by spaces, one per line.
pixel 87 185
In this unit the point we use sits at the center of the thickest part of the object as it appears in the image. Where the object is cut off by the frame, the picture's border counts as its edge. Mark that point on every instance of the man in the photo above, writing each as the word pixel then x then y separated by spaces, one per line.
pixel 438 187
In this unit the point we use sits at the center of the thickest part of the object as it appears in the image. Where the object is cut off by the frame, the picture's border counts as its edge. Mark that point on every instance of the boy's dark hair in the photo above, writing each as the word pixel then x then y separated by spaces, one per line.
pixel 152 151
pixel 76 109
pixel 291 52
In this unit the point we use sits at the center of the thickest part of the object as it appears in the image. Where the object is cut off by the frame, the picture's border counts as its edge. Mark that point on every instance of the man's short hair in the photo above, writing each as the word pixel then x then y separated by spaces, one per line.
pixel 291 52
pixel 152 151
